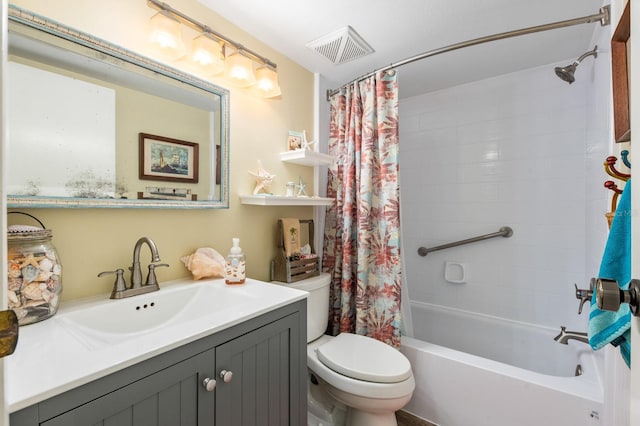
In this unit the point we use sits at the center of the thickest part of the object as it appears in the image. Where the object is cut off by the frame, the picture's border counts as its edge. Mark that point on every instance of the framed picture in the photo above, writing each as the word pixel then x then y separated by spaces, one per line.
pixel 167 159
pixel 620 76
pixel 295 140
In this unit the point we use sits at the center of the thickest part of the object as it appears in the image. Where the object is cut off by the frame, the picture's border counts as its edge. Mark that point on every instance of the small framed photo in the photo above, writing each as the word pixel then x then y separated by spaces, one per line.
pixel 295 140
pixel 167 159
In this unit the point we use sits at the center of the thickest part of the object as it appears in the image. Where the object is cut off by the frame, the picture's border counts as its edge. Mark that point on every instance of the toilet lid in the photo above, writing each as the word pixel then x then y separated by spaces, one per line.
pixel 364 358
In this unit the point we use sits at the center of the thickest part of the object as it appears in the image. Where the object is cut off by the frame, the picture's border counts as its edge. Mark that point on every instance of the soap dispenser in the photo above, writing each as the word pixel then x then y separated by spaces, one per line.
pixel 234 271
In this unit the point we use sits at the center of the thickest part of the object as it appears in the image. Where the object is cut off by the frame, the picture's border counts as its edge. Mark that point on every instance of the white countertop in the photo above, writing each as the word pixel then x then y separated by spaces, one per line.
pixel 51 358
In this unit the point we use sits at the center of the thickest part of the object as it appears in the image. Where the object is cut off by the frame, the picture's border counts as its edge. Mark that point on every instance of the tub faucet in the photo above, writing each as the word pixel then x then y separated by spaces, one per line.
pixel 136 272
pixel 565 336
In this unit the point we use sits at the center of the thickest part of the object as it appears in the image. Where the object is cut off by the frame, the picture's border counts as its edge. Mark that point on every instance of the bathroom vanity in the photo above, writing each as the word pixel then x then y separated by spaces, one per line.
pixel 241 362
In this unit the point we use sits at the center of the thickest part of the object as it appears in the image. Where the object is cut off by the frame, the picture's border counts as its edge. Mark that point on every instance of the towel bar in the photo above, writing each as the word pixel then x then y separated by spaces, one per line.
pixel 505 232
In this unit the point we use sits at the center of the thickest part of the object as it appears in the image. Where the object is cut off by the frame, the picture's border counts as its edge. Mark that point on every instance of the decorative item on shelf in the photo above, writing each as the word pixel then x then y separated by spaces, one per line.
pixel 290 189
pixel 263 180
pixel 34 272
pixel 301 188
pixel 609 167
pixel 211 51
pixel 307 145
pixel 294 141
pixel 293 261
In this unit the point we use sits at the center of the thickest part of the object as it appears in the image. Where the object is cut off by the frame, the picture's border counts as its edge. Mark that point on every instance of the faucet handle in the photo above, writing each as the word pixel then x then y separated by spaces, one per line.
pixel 151 277
pixel 119 285
pixel 584 295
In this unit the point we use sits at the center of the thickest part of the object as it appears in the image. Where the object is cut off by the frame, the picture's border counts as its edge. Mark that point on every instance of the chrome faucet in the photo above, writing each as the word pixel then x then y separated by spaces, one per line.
pixel 120 289
pixel 565 336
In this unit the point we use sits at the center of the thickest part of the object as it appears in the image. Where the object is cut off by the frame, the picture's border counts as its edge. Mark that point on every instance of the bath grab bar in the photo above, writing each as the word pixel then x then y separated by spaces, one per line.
pixel 505 232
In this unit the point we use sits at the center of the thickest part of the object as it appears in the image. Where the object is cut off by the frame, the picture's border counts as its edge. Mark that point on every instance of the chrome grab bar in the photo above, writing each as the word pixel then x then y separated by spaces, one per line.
pixel 505 232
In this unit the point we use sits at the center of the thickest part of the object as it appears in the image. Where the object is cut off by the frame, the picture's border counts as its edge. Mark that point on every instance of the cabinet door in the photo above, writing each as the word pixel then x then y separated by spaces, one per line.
pixel 265 386
pixel 174 396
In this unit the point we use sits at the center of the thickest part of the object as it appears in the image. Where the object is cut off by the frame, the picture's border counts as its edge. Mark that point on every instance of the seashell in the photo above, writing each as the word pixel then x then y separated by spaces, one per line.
pixel 32 291
pixel 57 269
pixel 14 301
pixel 30 273
pixel 14 269
pixel 14 284
pixel 54 283
pixel 53 303
pixel 21 313
pixel 205 263
pixel 36 304
pixel 43 276
pixel 46 265
pixel 46 294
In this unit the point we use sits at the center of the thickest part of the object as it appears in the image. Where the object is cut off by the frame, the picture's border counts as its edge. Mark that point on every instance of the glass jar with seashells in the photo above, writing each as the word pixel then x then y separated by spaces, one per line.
pixel 35 273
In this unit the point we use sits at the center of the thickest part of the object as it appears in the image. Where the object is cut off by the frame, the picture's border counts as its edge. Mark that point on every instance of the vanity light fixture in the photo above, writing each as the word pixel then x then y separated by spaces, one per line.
pixel 210 51
pixel 166 35
pixel 239 70
pixel 206 53
pixel 267 82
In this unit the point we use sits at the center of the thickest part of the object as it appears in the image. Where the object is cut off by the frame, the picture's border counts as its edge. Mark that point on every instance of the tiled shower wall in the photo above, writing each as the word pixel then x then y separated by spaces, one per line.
pixel 523 150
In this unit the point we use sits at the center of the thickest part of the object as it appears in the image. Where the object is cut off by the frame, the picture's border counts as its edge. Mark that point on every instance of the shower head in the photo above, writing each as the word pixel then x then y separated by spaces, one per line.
pixel 567 73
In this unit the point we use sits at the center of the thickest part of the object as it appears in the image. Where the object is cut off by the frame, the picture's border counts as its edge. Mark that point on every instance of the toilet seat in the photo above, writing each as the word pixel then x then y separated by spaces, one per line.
pixel 364 358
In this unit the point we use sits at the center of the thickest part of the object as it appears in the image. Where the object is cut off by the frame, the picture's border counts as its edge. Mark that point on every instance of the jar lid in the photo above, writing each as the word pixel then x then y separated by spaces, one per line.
pixel 20 232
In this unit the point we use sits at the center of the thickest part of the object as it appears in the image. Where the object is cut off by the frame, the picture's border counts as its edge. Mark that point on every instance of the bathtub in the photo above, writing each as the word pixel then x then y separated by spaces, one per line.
pixel 477 370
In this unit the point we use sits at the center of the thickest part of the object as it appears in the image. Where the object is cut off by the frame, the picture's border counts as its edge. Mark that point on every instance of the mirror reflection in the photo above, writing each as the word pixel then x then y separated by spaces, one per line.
pixel 95 125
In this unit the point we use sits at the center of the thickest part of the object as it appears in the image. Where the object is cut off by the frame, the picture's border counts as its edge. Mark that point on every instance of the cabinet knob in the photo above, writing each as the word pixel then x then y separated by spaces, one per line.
pixel 209 384
pixel 226 376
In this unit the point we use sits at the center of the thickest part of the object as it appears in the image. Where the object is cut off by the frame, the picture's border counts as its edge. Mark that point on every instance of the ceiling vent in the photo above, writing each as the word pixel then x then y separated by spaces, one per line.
pixel 341 46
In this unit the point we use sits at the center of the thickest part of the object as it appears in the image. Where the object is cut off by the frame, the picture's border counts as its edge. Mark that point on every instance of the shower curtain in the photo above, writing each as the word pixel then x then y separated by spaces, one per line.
pixel 362 230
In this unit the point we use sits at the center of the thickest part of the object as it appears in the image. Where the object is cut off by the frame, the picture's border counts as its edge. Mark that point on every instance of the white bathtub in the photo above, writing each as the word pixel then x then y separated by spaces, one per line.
pixel 517 375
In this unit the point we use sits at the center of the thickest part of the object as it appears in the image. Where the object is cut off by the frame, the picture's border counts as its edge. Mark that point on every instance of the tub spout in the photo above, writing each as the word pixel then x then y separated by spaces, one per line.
pixel 565 336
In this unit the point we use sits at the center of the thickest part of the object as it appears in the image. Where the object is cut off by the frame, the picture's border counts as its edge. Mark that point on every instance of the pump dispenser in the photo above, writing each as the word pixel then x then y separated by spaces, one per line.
pixel 234 271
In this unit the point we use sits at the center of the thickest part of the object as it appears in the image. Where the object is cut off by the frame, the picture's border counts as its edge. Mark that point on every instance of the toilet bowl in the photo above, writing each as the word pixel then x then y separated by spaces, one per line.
pixel 353 380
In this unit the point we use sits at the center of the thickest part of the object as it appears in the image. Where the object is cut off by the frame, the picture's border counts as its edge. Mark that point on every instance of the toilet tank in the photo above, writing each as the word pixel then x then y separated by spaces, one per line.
pixel 317 303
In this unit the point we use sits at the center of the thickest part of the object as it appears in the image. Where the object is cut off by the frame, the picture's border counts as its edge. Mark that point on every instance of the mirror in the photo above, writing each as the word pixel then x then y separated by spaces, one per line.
pixel 92 124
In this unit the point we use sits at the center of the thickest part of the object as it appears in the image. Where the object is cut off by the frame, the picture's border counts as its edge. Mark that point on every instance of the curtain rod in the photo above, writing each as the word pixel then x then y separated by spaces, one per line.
pixel 603 17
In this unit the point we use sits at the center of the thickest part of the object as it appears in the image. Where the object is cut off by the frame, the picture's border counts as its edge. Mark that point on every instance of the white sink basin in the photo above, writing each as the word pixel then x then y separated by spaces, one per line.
pixel 115 321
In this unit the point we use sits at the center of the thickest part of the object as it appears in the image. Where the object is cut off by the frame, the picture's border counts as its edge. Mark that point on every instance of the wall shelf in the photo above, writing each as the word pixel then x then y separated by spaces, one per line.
pixel 279 200
pixel 306 157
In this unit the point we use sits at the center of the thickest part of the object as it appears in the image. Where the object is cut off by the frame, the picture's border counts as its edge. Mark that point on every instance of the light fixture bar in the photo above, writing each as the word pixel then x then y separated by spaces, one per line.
pixel 161 6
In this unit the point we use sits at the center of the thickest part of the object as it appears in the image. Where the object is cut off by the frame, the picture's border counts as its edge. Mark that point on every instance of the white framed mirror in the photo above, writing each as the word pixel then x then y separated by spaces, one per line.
pixel 94 125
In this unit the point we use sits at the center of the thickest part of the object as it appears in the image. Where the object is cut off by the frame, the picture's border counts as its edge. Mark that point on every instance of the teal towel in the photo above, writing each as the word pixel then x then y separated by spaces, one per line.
pixel 613 327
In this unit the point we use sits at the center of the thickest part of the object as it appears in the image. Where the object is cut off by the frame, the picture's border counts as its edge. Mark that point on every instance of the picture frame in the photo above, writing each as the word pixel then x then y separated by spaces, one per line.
pixel 167 159
pixel 620 77
pixel 295 140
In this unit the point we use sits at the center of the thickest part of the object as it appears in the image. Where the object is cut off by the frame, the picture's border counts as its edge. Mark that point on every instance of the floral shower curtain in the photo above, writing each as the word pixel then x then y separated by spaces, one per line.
pixel 362 229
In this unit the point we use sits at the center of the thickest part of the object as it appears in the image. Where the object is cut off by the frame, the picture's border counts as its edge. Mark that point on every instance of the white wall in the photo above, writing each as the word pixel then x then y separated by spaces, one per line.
pixel 523 150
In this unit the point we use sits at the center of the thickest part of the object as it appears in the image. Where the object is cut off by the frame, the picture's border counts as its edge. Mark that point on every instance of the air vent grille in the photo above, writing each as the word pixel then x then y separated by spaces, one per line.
pixel 341 46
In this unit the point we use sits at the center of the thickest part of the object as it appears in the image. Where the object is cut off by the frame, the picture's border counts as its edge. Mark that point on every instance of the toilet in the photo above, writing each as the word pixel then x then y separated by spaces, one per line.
pixel 353 380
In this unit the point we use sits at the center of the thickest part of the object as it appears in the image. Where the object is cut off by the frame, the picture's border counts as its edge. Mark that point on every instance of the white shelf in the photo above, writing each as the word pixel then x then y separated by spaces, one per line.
pixel 306 157
pixel 279 200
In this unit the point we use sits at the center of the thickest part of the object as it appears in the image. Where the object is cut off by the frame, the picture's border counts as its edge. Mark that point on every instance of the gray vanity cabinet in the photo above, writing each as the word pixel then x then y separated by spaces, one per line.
pixel 267 385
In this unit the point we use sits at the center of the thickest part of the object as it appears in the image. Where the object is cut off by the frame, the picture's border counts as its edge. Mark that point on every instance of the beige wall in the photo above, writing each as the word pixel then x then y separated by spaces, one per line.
pixel 93 240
